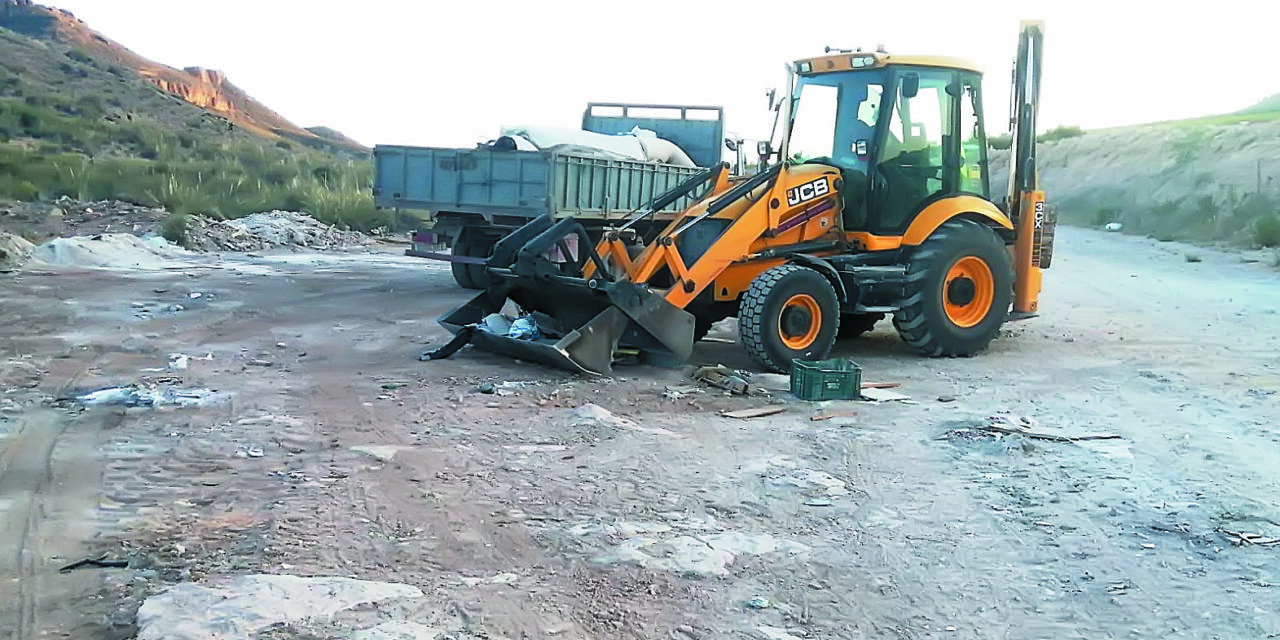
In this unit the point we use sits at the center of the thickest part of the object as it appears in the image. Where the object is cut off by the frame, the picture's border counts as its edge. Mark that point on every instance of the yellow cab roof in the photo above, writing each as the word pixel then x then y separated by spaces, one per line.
pixel 844 62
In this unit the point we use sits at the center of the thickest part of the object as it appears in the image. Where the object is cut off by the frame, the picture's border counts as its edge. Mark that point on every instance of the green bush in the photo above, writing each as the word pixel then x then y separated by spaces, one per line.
pixel 176 228
pixel 1266 230
pixel 1001 142
pixel 1060 133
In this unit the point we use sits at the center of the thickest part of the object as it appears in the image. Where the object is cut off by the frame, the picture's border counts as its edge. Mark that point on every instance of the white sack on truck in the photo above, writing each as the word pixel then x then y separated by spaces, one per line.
pixel 640 144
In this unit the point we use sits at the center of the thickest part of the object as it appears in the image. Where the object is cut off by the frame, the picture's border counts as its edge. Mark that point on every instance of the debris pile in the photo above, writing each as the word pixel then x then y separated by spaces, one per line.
pixel 267 230
pixel 13 251
pixel 108 251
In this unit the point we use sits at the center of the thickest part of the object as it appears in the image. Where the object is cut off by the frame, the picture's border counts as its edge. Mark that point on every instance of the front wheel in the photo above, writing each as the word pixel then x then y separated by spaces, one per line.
pixel 959 287
pixel 789 312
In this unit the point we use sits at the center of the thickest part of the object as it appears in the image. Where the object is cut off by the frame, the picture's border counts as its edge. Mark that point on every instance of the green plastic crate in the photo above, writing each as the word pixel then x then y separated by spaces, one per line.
pixel 835 379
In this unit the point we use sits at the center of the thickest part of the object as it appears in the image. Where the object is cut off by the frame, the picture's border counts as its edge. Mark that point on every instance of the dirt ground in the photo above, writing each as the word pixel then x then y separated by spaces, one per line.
pixel 331 450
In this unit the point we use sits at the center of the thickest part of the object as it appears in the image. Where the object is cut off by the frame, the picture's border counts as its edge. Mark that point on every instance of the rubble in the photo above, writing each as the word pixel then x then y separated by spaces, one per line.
pixel 13 251
pixel 268 230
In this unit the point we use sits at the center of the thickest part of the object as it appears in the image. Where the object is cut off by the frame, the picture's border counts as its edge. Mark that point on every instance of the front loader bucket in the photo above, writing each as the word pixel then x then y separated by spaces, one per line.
pixel 582 320
pixel 588 349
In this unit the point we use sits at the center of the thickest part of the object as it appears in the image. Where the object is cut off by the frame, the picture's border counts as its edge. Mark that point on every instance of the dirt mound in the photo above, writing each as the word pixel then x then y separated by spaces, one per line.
pixel 108 251
pixel 268 230
pixel 13 251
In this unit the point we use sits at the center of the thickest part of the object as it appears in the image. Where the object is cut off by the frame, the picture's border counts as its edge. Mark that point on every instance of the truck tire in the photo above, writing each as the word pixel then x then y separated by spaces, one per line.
pixel 959 287
pixel 462 270
pixel 789 312
pixel 479 249
pixel 853 325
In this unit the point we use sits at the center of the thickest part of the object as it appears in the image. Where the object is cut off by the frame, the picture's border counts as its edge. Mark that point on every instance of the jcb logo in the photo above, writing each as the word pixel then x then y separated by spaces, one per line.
pixel 808 191
pixel 1039 219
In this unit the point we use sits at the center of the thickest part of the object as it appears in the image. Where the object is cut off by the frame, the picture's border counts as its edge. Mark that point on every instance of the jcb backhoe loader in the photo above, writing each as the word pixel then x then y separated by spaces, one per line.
pixel 879 203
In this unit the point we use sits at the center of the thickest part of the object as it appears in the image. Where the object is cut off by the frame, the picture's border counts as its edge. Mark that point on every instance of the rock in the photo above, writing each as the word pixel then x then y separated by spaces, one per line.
pixel 267 230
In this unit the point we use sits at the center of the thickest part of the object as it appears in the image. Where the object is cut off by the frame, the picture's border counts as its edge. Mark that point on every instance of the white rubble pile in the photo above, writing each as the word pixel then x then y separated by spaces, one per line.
pixel 268 230
pixel 13 251
pixel 108 251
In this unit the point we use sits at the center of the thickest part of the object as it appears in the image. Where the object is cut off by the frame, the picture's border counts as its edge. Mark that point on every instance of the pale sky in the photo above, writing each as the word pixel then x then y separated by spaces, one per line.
pixel 452 73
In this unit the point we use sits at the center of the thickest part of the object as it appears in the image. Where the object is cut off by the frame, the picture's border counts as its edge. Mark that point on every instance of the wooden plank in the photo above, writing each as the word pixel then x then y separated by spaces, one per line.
pixel 881 385
pixel 754 412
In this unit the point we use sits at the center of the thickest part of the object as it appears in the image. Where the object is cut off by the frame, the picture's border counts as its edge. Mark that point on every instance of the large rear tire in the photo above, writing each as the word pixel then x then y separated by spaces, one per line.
pixel 462 270
pixel 959 287
pixel 789 312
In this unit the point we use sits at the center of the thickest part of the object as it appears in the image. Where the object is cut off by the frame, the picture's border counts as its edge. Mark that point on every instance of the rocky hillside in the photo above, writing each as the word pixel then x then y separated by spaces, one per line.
pixel 83 118
pixel 204 88
pixel 1208 179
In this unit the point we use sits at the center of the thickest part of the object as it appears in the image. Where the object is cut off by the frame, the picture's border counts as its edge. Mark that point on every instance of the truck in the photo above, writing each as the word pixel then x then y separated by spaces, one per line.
pixel 474 197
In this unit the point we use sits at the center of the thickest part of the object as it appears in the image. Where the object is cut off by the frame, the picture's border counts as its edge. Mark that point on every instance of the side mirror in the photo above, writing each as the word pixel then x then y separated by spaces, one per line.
pixel 764 149
pixel 731 143
pixel 910 85
pixel 772 94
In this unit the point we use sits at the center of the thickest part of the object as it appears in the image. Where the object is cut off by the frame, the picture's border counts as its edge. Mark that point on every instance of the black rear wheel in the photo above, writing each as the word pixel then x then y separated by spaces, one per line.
pixel 480 248
pixel 959 287
pixel 461 270
pixel 789 312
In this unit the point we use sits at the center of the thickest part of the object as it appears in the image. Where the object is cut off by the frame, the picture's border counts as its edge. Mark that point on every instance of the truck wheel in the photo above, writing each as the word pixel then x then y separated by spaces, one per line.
pixel 479 249
pixel 959 286
pixel 789 312
pixel 462 270
pixel 853 325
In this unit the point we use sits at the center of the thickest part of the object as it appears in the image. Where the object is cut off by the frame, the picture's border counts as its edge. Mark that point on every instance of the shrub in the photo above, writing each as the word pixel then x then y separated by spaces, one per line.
pixel 80 56
pixel 176 228
pixel 1060 133
pixel 1001 142
pixel 1266 230
pixel 29 122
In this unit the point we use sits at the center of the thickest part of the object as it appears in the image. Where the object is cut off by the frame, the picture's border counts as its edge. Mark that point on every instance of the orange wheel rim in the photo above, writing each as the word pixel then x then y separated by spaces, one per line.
pixel 799 321
pixel 968 291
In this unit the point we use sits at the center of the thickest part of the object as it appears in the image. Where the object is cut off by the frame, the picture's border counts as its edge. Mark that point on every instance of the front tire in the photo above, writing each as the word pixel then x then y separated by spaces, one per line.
pixel 959 287
pixel 789 312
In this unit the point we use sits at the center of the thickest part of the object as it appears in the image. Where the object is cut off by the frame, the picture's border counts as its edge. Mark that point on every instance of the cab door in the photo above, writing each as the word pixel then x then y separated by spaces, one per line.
pixel 916 156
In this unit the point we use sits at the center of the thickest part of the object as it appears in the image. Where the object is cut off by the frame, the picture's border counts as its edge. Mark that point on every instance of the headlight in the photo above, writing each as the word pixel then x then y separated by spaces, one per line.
pixel 859 62
pixel 803 67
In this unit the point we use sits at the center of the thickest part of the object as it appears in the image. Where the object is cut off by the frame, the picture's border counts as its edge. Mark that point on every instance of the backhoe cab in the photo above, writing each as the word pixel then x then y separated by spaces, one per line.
pixel 879 203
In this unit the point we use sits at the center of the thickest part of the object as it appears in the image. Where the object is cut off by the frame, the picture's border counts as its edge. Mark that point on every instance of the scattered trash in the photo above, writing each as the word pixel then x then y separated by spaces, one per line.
pixel 243 606
pixel 827 415
pixel 255 452
pixel 501 578
pixel 719 340
pixel 178 361
pixel 138 396
pixel 486 388
pixel 1240 538
pixel 195 295
pixel 1113 226
pixel 878 394
pixel 722 377
pixel 881 385
pixel 392 386
pixel 676 393
pixel 524 328
pixel 451 347
pixel 1008 425
pixel 775 633
pixel 946 398
pixel 99 562
pixel 398 630
pixel 756 412
pixel 759 603
pixel 383 452
pixel 817 502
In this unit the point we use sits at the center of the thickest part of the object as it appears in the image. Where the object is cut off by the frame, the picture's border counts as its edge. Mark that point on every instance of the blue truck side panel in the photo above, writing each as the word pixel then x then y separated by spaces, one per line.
pixel 698 130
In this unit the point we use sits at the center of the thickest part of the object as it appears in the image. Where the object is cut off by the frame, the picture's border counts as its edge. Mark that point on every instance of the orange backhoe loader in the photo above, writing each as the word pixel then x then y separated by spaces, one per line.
pixel 879 202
